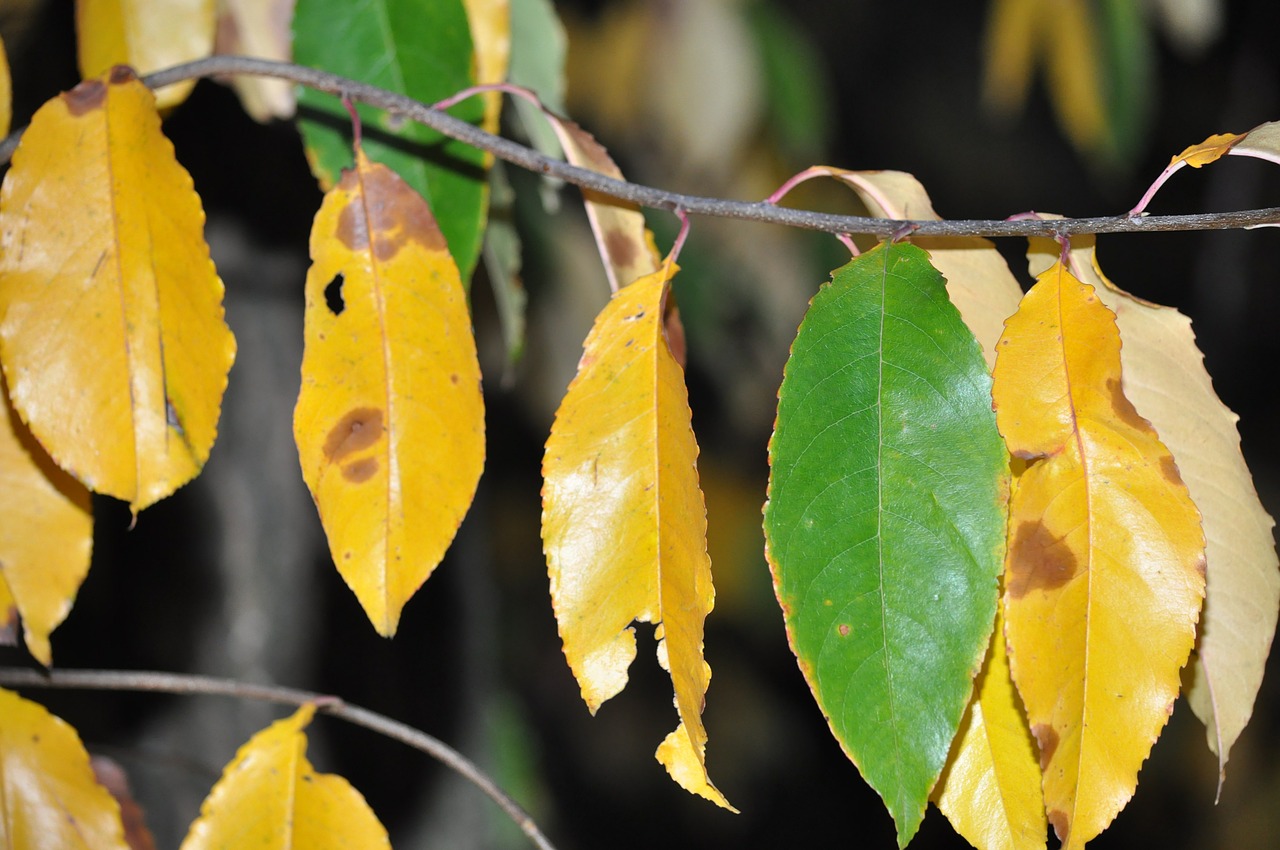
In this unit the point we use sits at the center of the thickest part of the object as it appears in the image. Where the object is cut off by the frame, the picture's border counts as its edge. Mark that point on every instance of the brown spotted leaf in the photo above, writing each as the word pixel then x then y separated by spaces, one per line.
pixel 1105 568
pixel 390 419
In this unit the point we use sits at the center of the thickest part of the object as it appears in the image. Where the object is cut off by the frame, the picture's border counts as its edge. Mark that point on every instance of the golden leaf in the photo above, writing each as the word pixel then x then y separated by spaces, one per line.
pixel 624 522
pixel 146 35
pixel 1164 376
pixel 112 330
pixel 51 800
pixel 1105 568
pixel 46 536
pixel 270 797
pixel 990 789
pixel 390 419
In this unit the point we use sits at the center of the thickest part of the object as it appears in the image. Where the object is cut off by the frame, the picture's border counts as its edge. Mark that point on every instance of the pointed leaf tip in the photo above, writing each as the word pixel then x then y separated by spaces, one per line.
pixel 390 418
pixel 875 525
pixel 623 518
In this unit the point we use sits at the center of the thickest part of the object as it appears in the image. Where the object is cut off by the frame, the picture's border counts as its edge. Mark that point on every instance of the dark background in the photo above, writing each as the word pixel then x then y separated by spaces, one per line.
pixel 477 661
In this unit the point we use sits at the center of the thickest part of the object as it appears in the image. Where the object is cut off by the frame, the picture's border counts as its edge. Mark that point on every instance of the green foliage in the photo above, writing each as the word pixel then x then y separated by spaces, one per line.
pixel 886 517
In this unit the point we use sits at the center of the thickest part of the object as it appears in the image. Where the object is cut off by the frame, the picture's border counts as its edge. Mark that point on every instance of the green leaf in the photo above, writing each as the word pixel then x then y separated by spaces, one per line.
pixel 885 520
pixel 538 47
pixel 798 90
pixel 419 48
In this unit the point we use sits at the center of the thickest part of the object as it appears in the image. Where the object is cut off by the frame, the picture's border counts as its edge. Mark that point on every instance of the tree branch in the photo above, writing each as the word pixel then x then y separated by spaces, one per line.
pixel 647 196
pixel 176 683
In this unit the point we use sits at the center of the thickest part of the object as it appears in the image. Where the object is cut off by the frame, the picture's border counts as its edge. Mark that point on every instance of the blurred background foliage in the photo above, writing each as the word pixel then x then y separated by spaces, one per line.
pixel 997 108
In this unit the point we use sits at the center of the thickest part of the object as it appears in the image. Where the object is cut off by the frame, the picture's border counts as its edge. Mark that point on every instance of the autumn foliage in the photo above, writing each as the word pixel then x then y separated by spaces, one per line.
pixel 995 540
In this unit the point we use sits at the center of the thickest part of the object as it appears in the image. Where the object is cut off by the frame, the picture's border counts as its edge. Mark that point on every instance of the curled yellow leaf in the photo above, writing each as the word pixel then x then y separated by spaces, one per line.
pixel 624 522
pixel 390 418
pixel 111 320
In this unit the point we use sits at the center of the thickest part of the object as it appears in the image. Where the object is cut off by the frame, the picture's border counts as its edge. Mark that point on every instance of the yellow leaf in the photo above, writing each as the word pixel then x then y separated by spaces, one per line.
pixel 8 615
pixel 112 334
pixel 145 34
pixel 1262 142
pixel 46 536
pixel 1164 376
pixel 990 789
pixel 270 797
pixel 625 245
pixel 50 800
pixel 1010 46
pixel 1064 36
pixel 490 22
pixel 390 418
pixel 979 282
pixel 1209 150
pixel 623 520
pixel 1105 569
pixel 262 28
pixel 6 93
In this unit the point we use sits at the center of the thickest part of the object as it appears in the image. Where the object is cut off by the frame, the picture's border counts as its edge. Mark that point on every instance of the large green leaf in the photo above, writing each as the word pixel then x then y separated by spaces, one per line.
pixel 419 48
pixel 885 520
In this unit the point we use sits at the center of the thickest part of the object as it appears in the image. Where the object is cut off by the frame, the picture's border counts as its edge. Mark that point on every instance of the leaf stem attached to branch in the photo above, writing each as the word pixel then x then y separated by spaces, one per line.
pixel 647 196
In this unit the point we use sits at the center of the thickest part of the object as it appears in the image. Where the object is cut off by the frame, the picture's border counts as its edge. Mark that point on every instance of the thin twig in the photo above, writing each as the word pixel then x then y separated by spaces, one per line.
pixel 177 683
pixel 647 196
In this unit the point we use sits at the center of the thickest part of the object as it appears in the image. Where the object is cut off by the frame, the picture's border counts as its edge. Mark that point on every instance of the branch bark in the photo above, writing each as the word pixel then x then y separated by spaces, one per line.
pixel 176 683
pixel 654 198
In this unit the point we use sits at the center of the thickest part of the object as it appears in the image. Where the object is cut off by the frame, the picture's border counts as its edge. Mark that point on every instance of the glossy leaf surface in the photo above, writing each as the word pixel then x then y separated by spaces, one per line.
pixel 624 522
pixel 112 329
pixel 1165 378
pixel 390 419
pixel 1105 571
pixel 418 48
pixel 979 282
pixel 270 797
pixel 50 800
pixel 46 536
pixel 145 34
pixel 884 536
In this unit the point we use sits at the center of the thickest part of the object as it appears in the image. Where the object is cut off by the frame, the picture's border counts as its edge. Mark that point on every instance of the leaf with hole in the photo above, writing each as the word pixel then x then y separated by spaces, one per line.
pixel 390 419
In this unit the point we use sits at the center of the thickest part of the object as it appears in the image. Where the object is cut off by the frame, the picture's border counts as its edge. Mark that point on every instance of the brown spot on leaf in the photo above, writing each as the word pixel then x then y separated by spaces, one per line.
pixel 844 629
pixel 1123 408
pixel 397 215
pixel 87 96
pixel 121 74
pixel 453 378
pixel 1047 739
pixel 353 227
pixel 1202 567
pixel 621 250
pixel 359 429
pixel 360 470
pixel 1061 825
pixel 1038 560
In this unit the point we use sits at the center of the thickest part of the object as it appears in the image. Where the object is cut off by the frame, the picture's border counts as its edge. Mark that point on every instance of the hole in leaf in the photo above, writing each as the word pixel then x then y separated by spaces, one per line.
pixel 333 295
